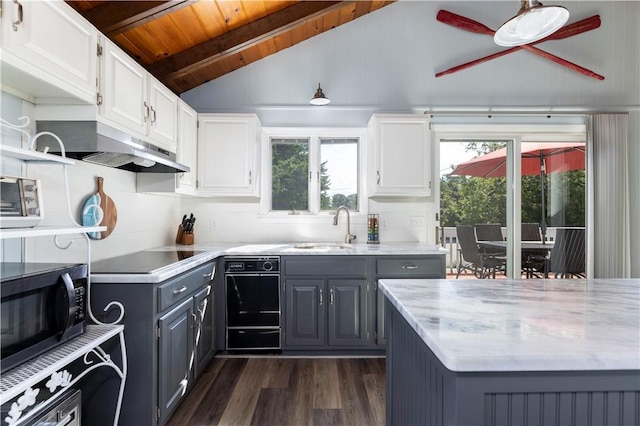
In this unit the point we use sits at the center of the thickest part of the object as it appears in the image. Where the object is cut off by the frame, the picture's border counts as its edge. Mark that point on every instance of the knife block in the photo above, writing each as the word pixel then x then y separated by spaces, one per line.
pixel 179 234
pixel 187 239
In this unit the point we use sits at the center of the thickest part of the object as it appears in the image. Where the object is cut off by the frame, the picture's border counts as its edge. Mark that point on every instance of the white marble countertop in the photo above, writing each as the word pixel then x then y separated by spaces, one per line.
pixel 213 250
pixel 524 325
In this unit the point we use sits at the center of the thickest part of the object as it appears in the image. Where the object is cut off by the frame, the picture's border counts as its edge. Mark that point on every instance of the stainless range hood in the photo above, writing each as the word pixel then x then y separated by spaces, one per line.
pixel 97 143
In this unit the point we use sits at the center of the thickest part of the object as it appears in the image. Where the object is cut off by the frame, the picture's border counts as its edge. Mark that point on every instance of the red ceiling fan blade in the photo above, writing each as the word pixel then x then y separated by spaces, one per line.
pixel 467 24
pixel 563 62
pixel 477 62
pixel 463 23
pixel 575 28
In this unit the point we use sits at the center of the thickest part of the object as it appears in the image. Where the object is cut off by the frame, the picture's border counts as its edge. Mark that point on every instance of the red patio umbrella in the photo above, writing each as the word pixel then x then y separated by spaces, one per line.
pixel 537 158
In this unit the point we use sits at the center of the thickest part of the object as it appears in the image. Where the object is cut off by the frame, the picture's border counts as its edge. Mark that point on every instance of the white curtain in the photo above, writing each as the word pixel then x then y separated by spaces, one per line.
pixel 608 246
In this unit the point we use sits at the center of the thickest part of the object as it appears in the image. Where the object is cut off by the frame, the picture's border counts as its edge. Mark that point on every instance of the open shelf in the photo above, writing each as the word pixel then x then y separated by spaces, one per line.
pixel 43 231
pixel 34 156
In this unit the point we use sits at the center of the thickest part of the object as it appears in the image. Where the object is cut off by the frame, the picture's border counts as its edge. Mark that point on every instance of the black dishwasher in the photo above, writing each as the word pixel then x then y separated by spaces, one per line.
pixel 252 291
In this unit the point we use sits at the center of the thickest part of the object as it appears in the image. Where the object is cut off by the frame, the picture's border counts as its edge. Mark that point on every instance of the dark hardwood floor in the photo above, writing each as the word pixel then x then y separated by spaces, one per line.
pixel 286 391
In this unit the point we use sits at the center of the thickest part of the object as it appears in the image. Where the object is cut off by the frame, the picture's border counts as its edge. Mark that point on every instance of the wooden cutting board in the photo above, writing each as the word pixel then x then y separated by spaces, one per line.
pixel 100 210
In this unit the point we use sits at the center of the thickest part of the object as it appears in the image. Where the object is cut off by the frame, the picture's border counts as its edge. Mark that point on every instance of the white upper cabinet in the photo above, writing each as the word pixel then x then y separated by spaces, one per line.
pixel 132 98
pixel 401 155
pixel 163 114
pixel 187 147
pixel 228 155
pixel 48 52
pixel 177 183
pixel 123 89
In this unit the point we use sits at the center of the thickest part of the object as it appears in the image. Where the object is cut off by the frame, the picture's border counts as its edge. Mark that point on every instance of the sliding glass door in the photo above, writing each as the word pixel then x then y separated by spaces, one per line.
pixel 530 183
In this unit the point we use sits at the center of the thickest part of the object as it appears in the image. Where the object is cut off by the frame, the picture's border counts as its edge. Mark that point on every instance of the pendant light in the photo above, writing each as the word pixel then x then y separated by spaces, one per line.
pixel 533 22
pixel 319 98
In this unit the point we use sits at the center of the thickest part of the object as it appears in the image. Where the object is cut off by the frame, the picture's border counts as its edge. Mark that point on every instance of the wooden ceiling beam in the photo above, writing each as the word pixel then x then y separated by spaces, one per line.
pixel 115 17
pixel 249 35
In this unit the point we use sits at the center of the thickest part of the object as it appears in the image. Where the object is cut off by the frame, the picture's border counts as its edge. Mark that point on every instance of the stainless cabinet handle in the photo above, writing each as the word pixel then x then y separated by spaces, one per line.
pixel 18 21
pixel 378 174
pixel 153 111
pixel 146 111
pixel 250 177
pixel 180 290
pixel 320 297
pixel 409 267
pixel 331 296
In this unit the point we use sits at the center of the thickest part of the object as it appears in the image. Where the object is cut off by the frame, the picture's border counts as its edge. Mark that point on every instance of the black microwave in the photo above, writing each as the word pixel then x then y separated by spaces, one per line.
pixel 43 305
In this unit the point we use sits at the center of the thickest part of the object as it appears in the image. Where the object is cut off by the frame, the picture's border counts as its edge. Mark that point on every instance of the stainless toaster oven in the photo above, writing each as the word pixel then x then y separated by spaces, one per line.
pixel 21 202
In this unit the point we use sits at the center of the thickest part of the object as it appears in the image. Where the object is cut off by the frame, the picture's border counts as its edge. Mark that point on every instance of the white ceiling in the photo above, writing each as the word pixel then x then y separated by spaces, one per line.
pixel 386 62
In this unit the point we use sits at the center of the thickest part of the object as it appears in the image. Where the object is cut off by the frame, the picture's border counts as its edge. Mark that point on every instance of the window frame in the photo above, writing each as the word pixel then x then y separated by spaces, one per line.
pixel 314 135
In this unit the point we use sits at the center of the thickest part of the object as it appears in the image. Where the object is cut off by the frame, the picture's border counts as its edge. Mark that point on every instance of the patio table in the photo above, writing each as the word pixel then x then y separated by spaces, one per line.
pixel 531 246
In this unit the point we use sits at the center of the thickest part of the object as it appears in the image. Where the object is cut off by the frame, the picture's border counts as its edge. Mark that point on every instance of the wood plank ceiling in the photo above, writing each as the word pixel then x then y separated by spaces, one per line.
pixel 185 43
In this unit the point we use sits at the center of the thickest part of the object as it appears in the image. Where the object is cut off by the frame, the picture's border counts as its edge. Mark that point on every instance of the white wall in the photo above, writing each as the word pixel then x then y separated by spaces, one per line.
pixel 144 221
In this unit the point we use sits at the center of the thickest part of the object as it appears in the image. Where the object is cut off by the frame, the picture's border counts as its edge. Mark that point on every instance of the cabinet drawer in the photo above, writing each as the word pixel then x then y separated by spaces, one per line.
pixel 182 286
pixel 430 267
pixel 330 266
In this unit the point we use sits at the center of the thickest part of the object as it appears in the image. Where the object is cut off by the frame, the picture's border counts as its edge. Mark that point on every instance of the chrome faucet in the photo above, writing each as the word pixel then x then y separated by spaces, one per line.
pixel 349 237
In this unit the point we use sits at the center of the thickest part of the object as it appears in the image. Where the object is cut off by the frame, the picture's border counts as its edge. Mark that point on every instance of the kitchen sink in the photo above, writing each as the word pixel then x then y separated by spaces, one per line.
pixel 321 246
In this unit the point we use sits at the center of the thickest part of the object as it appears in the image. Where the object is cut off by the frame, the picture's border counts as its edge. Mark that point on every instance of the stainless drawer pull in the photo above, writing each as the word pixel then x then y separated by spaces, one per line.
pixel 409 267
pixel 20 18
pixel 320 297
pixel 180 290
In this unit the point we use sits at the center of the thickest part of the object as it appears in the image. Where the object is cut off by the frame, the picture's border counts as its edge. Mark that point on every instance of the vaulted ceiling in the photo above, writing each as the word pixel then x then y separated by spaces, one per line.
pixel 185 43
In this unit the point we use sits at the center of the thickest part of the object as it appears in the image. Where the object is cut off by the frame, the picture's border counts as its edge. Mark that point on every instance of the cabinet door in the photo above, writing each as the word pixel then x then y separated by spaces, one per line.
pixel 402 151
pixel 204 338
pixel 305 312
pixel 174 357
pixel 52 42
pixel 187 147
pixel 163 115
pixel 227 155
pixel 380 337
pixel 123 89
pixel 347 312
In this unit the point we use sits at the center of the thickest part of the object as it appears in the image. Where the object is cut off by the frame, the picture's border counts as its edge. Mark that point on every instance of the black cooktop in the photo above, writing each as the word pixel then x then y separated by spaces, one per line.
pixel 143 262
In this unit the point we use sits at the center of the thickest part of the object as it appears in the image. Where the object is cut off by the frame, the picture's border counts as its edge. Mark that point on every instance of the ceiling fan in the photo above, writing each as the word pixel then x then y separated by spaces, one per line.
pixel 533 22
pixel 570 30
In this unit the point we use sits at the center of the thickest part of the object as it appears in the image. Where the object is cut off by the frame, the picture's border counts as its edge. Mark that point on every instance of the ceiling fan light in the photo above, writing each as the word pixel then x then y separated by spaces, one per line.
pixel 319 98
pixel 532 23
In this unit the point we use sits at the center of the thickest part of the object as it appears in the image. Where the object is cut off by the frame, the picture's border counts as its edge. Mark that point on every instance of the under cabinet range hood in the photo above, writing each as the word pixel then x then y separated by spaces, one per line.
pixel 98 143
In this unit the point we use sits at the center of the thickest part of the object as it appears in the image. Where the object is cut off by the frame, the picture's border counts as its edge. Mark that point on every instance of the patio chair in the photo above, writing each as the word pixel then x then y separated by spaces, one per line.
pixel 489 232
pixel 530 232
pixel 567 258
pixel 532 262
pixel 472 259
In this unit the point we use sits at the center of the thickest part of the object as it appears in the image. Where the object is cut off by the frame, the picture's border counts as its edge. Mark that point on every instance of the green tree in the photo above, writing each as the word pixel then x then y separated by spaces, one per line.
pixel 290 166
pixel 468 200
pixel 289 182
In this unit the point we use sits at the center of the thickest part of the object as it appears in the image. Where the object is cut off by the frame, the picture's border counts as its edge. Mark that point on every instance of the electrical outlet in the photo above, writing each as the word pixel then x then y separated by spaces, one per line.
pixel 213 224
pixel 383 223
pixel 417 221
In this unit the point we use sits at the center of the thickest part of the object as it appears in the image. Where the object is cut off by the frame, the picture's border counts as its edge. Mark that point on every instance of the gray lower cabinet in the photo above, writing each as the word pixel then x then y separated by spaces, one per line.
pixel 204 337
pixel 186 345
pixel 326 302
pixel 402 267
pixel 326 312
pixel 305 312
pixel 175 347
pixel 169 334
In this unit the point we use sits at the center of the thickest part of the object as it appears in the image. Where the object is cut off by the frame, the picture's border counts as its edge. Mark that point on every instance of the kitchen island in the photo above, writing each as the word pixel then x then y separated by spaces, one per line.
pixel 513 351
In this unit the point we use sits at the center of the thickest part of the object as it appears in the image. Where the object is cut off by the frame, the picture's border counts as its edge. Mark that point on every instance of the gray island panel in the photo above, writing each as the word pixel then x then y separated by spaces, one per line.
pixel 425 322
